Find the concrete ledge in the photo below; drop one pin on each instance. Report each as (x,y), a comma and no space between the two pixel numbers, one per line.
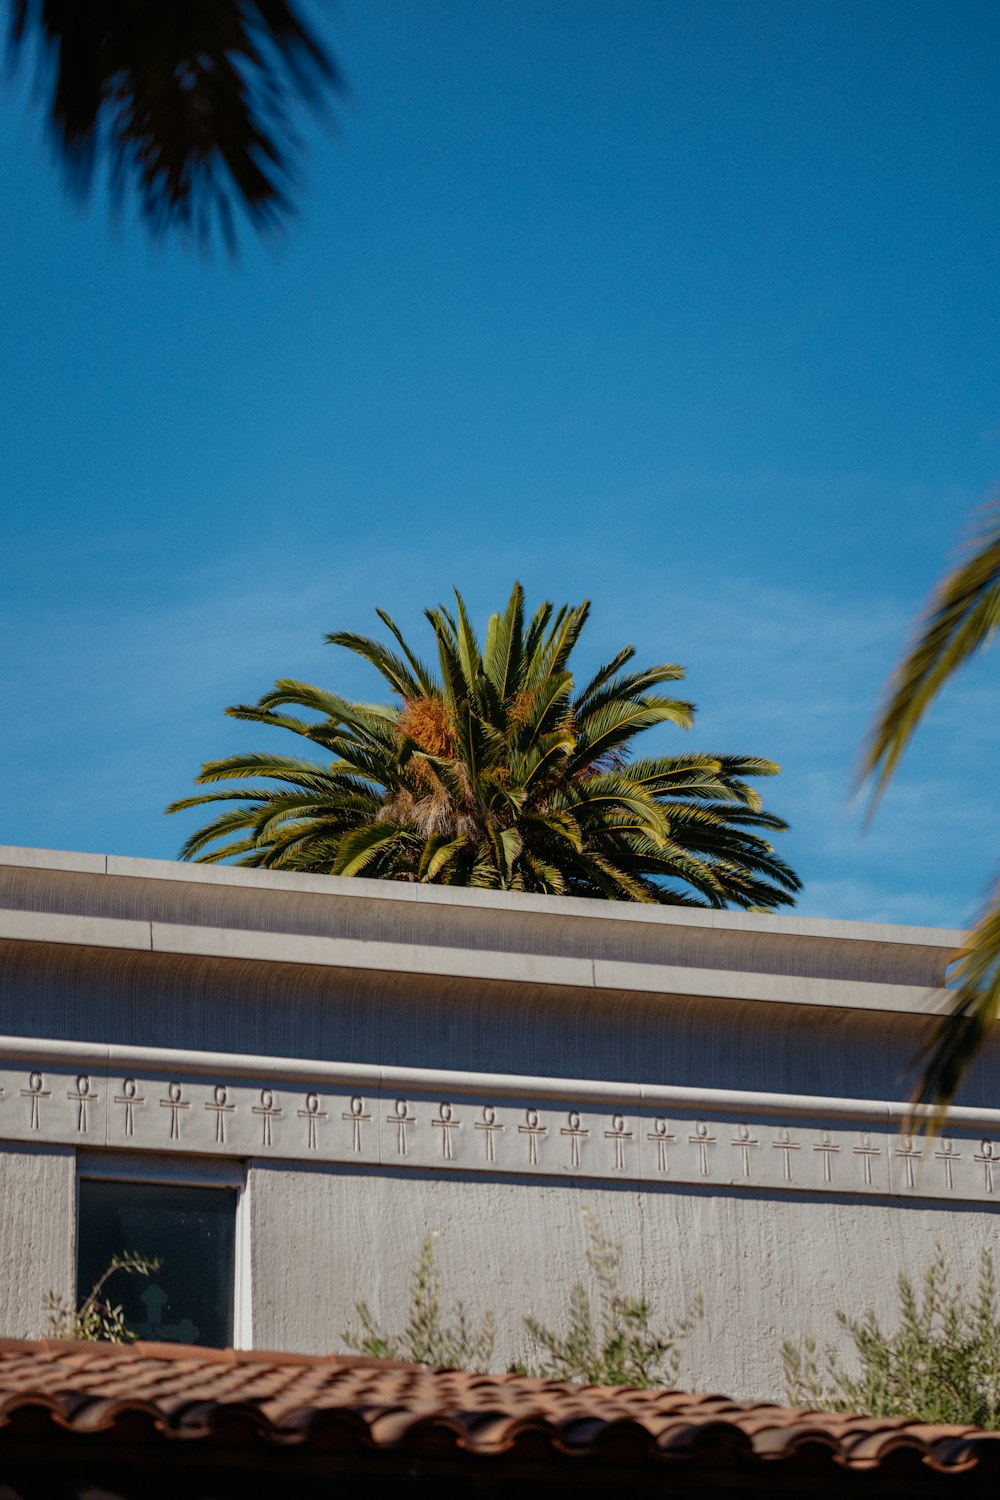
(424,960)
(180,910)
(111,1060)
(81,932)
(228,877)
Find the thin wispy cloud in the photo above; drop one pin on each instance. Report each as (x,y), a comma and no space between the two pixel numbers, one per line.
(139,690)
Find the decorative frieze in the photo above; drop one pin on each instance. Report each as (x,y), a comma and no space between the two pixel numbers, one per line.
(233,1114)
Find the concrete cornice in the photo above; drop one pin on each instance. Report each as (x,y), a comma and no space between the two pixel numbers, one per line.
(336,887)
(447,1083)
(438,1121)
(113,903)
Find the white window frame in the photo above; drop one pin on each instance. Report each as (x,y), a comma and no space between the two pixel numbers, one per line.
(190,1171)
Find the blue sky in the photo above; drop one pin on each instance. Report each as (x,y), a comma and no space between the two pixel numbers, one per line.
(685,306)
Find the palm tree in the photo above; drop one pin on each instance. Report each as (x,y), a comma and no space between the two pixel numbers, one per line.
(961,618)
(497,773)
(189,97)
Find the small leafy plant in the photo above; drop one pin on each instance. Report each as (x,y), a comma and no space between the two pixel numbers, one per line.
(624,1350)
(96,1320)
(621,1347)
(427,1340)
(942,1364)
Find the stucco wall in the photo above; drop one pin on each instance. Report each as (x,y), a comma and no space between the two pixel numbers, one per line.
(289,1011)
(310,998)
(37,1234)
(768,1268)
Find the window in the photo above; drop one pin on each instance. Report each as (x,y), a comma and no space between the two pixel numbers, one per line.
(191,1228)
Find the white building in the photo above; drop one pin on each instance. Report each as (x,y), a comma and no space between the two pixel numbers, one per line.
(281,1084)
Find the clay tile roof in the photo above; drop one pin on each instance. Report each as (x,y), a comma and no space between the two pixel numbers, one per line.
(285,1405)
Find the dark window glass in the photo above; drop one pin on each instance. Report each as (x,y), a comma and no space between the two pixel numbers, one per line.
(193,1232)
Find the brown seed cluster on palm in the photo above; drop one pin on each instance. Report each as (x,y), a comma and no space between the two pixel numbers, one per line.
(496,771)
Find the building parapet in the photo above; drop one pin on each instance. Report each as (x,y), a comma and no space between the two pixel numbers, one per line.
(273,918)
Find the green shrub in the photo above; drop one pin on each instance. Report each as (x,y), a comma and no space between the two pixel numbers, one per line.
(426,1340)
(621,1347)
(96,1320)
(942,1364)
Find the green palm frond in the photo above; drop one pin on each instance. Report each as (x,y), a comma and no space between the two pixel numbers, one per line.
(543,709)
(493,774)
(252,713)
(303,695)
(959,1036)
(438,852)
(608,670)
(397,672)
(423,676)
(549,659)
(504,636)
(543,878)
(547,757)
(469,653)
(288,768)
(537,626)
(449,660)
(617,722)
(189,105)
(631,685)
(560,826)
(359,847)
(962,617)
(747,765)
(240,819)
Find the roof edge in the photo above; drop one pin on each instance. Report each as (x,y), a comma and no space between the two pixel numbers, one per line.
(336,887)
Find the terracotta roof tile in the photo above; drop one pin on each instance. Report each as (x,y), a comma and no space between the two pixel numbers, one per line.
(294,1401)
